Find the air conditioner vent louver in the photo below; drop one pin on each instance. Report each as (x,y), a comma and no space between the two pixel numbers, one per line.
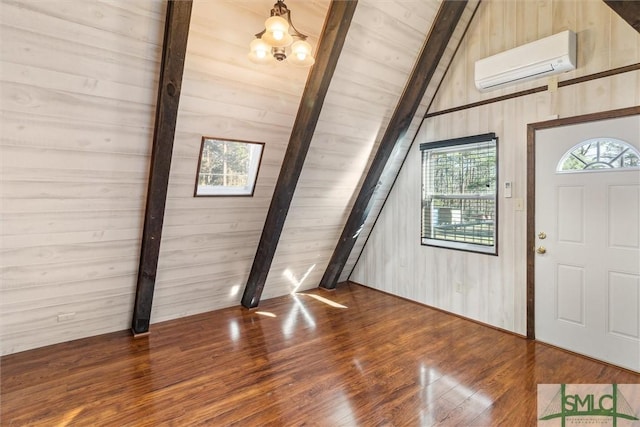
(544,57)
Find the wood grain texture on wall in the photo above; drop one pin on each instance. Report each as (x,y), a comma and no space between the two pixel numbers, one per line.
(603,41)
(395,162)
(78,82)
(383,43)
(209,243)
(493,289)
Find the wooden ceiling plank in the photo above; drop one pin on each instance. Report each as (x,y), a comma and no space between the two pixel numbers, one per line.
(174,50)
(329,48)
(441,31)
(629,10)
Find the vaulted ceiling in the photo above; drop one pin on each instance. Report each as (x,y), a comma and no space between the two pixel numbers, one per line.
(378,67)
(79,91)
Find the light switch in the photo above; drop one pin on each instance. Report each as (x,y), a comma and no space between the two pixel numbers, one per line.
(507,189)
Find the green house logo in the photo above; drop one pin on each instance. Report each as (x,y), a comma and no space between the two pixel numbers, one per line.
(589,404)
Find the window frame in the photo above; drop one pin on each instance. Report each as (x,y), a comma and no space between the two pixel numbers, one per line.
(229,190)
(452,244)
(587,169)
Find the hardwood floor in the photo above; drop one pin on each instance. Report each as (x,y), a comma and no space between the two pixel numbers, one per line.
(358,357)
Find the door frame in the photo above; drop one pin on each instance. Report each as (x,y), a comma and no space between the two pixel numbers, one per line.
(531,193)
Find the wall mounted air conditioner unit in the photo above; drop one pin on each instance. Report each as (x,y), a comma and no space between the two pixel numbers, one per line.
(550,55)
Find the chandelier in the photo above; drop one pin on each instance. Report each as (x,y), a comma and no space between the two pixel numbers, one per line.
(278,34)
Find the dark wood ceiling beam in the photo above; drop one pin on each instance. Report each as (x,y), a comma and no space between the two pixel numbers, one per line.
(441,31)
(629,10)
(174,50)
(333,36)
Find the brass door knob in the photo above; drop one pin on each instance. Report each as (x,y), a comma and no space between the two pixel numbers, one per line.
(541,250)
(542,235)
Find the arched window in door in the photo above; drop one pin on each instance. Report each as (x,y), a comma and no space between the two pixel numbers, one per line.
(599,154)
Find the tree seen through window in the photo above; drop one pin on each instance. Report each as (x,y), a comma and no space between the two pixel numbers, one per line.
(459,193)
(227,167)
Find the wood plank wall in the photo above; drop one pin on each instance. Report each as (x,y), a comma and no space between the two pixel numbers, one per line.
(395,163)
(209,243)
(83,76)
(494,288)
(78,82)
(381,48)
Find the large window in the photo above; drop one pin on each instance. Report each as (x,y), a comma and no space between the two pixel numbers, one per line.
(459,193)
(227,168)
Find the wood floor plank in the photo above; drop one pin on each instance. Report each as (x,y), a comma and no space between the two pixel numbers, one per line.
(378,361)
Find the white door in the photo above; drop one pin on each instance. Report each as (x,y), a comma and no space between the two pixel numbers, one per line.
(587,261)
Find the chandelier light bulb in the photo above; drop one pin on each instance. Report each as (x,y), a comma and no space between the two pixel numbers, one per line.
(277,32)
(260,52)
(301,49)
(276,24)
(301,54)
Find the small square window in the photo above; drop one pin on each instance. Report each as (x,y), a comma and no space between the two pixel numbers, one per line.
(459,193)
(227,168)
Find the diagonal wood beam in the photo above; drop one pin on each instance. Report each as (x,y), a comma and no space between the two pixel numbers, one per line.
(333,36)
(629,10)
(174,49)
(441,31)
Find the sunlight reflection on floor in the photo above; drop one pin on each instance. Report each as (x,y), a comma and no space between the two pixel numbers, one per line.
(294,281)
(290,324)
(266,313)
(325,300)
(69,417)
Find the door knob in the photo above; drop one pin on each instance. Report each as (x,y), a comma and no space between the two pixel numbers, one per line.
(542,235)
(541,250)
